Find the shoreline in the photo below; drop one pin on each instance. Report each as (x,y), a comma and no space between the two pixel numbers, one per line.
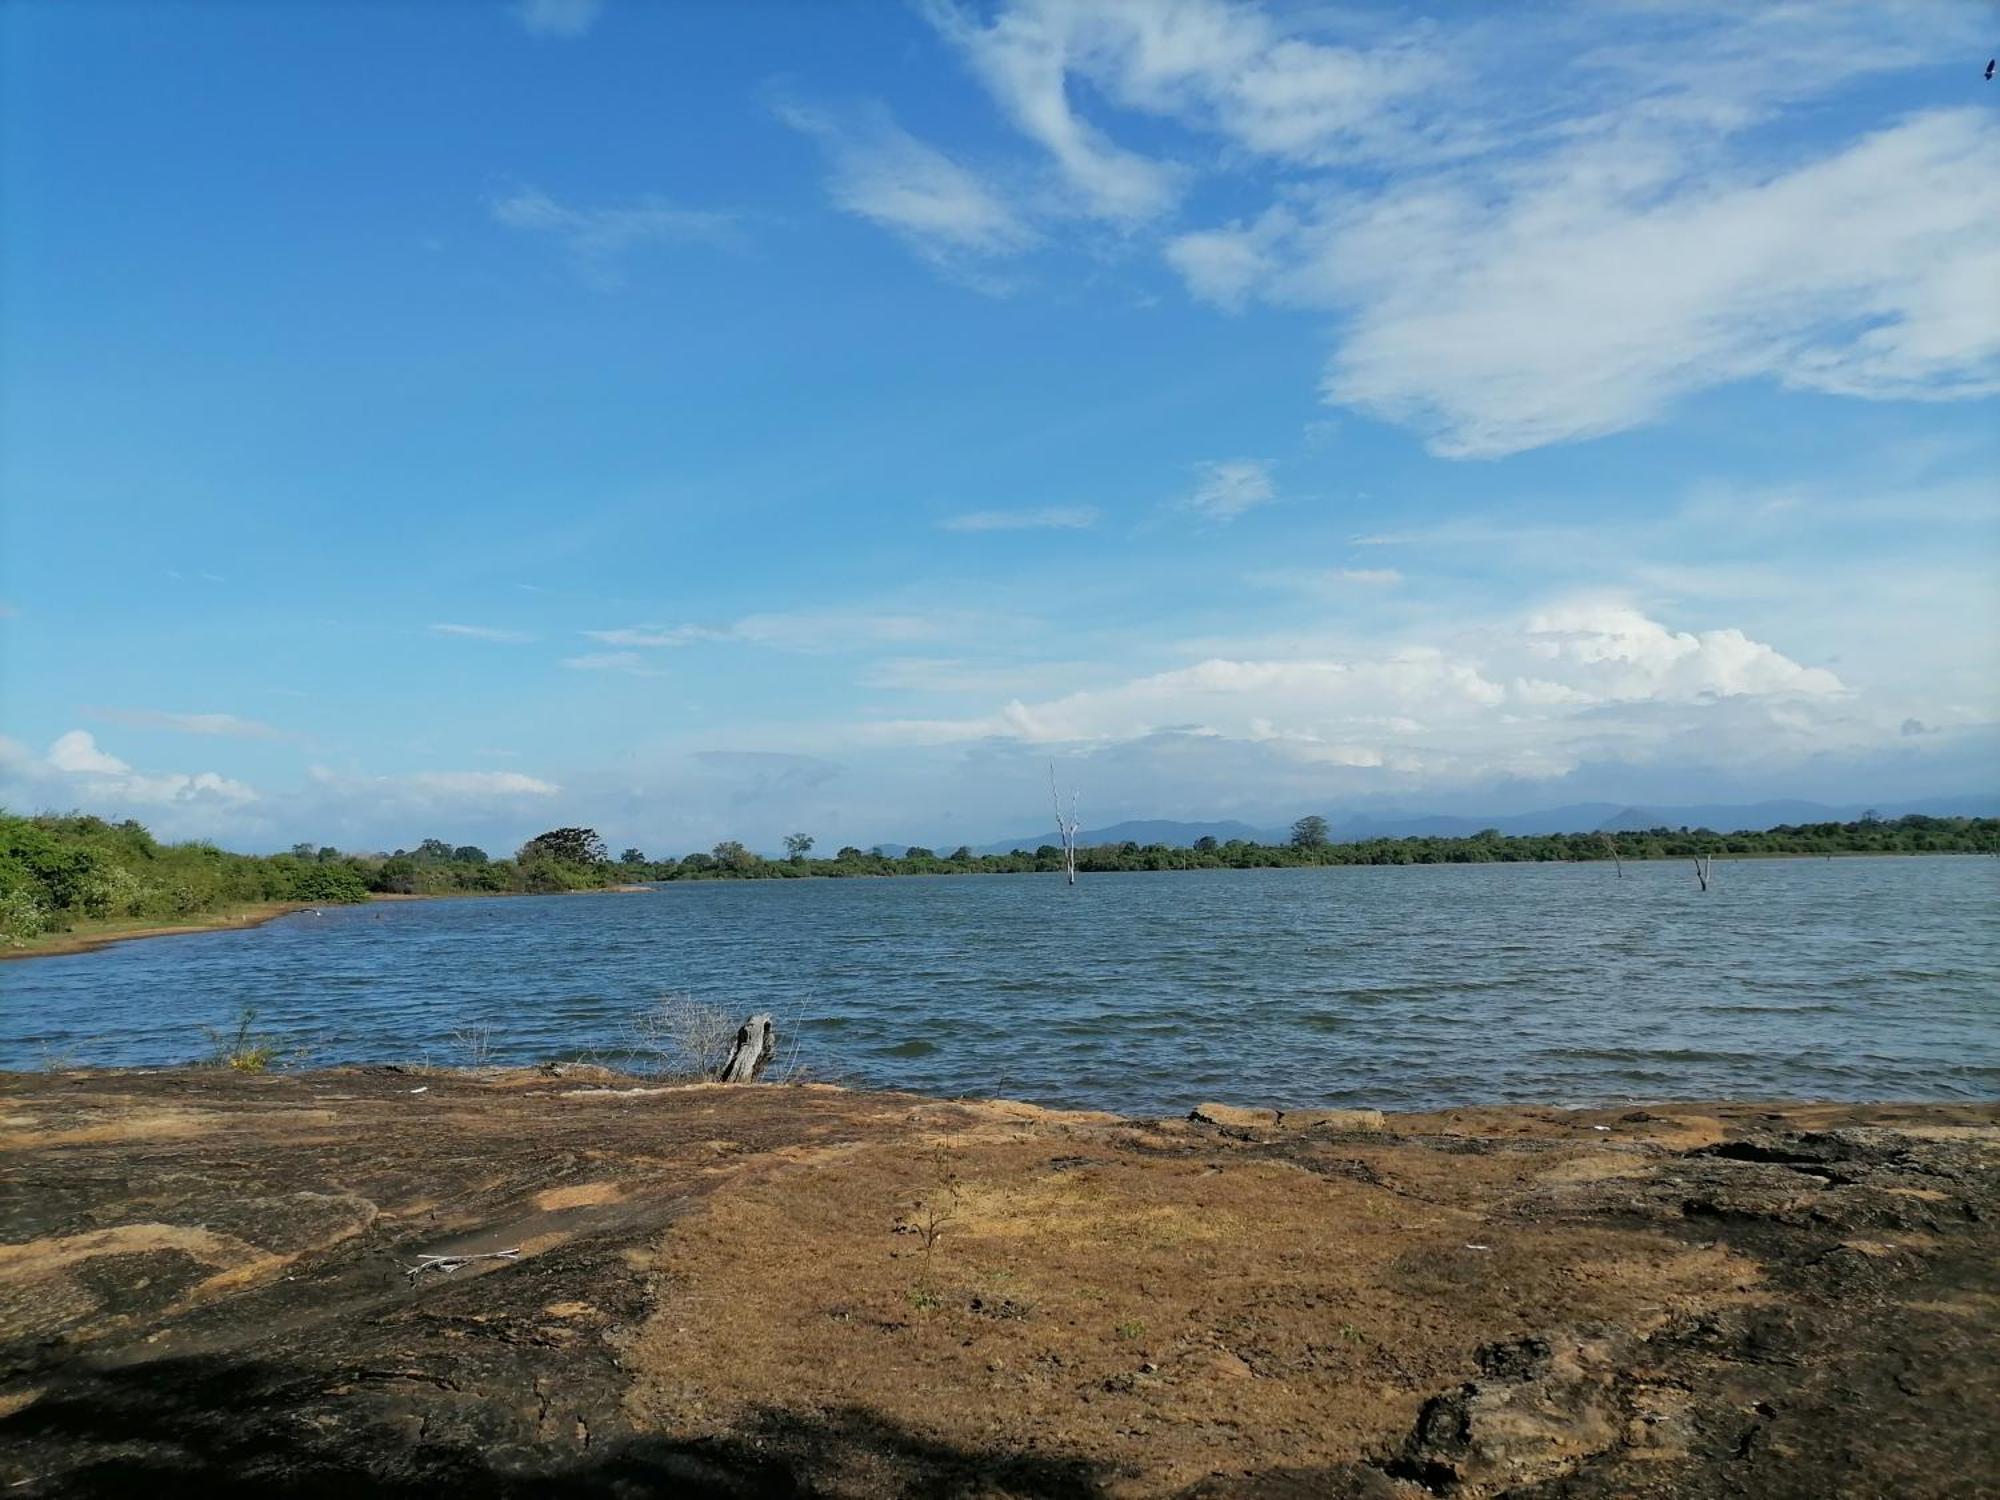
(982,1296)
(89,937)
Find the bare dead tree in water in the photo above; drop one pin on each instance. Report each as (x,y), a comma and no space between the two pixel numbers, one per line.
(1612,844)
(1704,866)
(1066,826)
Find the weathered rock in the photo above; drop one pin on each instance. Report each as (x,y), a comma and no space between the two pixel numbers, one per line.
(1330,1119)
(1235,1116)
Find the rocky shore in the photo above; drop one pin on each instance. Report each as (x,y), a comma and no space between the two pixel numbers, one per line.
(570,1283)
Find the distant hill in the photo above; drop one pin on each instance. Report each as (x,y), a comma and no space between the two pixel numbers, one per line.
(1144,831)
(1575,817)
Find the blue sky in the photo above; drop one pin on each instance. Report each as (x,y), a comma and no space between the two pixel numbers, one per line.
(709,421)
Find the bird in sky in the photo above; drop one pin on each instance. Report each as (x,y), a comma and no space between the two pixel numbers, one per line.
(1989,68)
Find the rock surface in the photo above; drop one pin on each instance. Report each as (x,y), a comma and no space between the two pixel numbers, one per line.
(212,1284)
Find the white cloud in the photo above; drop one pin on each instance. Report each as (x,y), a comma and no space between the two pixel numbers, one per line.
(77,751)
(815,631)
(479,783)
(631,663)
(77,767)
(1585,680)
(1537,235)
(483,633)
(1328,581)
(1227,489)
(228,726)
(943,674)
(1043,518)
(557,18)
(1024,59)
(941,209)
(656,635)
(597,239)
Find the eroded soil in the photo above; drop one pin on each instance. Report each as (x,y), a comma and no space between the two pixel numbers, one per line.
(209,1284)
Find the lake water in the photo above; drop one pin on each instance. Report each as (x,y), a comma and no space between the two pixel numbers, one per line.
(1401,987)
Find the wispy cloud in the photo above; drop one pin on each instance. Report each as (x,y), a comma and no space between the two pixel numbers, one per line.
(1536,235)
(819,631)
(483,633)
(1328,580)
(228,726)
(597,240)
(657,635)
(1024,58)
(1228,488)
(631,663)
(1043,518)
(445,785)
(943,210)
(557,18)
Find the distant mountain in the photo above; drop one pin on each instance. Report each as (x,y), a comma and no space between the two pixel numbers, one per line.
(1145,831)
(1575,817)
(1726,818)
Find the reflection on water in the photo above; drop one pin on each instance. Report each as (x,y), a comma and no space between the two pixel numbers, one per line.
(1396,986)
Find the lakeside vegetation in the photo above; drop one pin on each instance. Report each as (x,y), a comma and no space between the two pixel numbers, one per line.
(61,872)
(1310,844)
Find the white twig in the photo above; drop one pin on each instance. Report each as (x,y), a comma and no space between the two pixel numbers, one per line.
(449,1263)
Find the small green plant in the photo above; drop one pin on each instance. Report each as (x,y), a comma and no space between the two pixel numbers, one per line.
(242,1051)
(1132,1330)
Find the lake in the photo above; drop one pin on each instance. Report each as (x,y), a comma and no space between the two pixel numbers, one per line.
(1403,987)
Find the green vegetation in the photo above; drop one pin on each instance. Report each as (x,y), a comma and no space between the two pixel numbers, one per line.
(242,1051)
(1310,844)
(57,872)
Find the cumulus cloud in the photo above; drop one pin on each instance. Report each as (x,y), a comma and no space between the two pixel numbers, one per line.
(1041,518)
(566,19)
(77,769)
(1533,697)
(1227,489)
(598,239)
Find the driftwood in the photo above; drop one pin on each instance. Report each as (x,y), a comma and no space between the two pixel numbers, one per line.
(756,1040)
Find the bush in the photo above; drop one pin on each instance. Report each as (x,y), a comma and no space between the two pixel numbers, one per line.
(328,883)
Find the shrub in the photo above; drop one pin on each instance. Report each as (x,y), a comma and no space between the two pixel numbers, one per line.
(328,883)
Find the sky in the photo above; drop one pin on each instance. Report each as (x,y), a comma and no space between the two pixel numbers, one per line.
(713,421)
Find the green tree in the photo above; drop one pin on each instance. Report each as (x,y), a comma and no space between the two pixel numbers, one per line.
(1206,844)
(798,846)
(1310,832)
(468,854)
(633,857)
(731,855)
(570,846)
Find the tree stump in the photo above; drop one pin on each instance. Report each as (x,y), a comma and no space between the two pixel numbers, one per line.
(756,1040)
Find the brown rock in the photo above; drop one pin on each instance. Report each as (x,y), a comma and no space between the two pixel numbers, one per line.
(1331,1119)
(1234,1115)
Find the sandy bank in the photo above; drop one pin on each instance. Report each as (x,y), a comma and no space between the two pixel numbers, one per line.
(89,935)
(208,1284)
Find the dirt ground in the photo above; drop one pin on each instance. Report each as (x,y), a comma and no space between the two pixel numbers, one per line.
(210,1283)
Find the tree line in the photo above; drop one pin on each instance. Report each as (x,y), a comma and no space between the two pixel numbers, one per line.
(1311,843)
(58,870)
